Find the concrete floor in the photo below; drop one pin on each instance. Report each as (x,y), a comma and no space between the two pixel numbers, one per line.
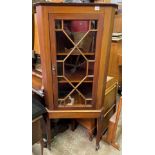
(77,143)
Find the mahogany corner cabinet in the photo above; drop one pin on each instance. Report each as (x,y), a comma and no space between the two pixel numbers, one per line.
(75,40)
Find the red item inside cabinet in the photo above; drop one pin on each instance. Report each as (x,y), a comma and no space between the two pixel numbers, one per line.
(79,26)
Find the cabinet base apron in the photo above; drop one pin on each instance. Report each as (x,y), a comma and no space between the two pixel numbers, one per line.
(55,114)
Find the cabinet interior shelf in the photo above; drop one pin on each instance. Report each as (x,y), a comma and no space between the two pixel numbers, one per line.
(76,53)
(76,77)
(61,30)
(76,105)
(87,80)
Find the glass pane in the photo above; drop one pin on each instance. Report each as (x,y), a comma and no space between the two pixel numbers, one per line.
(94,24)
(75,67)
(91,68)
(86,90)
(75,53)
(62,42)
(88,44)
(64,89)
(59,68)
(90,57)
(58,24)
(60,56)
(76,29)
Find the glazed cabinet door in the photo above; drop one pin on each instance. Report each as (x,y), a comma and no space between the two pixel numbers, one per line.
(74,41)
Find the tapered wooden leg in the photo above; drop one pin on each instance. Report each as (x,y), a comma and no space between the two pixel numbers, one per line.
(44,129)
(42,146)
(73,125)
(48,129)
(99,132)
(90,134)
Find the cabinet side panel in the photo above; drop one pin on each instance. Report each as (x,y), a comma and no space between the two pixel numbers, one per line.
(43,30)
(105,54)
